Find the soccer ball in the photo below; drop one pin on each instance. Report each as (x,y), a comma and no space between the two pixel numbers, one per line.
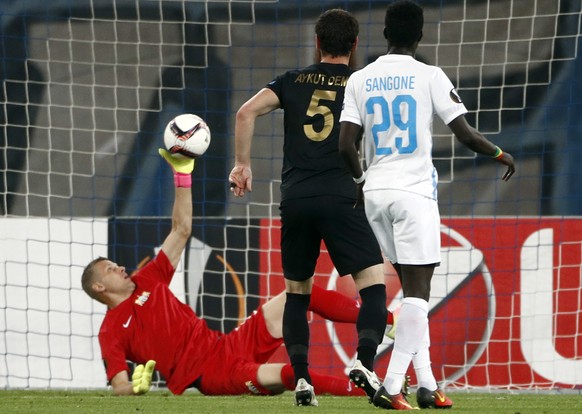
(187,135)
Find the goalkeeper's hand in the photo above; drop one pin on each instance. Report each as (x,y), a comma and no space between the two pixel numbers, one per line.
(142,377)
(178,164)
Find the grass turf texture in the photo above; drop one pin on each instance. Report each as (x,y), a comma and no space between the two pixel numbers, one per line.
(163,402)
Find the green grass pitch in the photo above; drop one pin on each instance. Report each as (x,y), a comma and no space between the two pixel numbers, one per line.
(158,402)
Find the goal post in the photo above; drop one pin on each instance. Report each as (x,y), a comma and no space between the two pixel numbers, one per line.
(87,87)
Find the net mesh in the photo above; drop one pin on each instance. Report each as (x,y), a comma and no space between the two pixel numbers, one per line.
(89,85)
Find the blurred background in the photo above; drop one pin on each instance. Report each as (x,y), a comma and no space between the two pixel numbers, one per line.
(88,86)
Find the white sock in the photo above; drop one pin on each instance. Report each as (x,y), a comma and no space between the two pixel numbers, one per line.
(422,366)
(412,325)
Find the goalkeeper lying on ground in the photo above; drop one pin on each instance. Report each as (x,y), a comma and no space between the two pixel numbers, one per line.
(147,324)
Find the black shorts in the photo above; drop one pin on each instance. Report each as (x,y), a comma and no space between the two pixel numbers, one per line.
(345,231)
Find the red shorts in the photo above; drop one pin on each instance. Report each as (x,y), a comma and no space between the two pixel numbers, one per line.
(233,367)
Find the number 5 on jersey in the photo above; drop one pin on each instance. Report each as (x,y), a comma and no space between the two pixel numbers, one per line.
(316,108)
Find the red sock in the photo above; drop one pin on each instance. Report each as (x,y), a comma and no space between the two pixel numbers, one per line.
(288,377)
(336,307)
(323,384)
(327,384)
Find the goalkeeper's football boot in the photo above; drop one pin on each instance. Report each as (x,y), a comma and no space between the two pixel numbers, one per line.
(364,379)
(304,394)
(432,399)
(391,402)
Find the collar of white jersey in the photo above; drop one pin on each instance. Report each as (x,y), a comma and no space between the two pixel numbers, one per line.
(395,58)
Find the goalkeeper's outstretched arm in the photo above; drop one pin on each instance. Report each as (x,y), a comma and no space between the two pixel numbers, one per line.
(175,242)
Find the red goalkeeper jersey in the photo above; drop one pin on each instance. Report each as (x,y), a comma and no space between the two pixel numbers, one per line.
(154,324)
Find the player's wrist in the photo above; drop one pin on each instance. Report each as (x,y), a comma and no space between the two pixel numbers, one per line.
(360,179)
(182,180)
(498,153)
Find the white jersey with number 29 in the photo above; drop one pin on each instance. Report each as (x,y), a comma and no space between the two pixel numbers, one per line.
(394,99)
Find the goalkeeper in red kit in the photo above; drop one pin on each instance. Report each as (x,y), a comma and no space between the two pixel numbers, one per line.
(147,324)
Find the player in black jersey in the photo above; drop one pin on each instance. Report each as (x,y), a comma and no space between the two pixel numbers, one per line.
(317,198)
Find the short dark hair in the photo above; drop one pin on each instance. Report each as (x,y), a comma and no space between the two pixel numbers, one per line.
(88,278)
(403,23)
(337,31)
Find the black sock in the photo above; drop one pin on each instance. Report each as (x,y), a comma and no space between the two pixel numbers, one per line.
(371,323)
(296,334)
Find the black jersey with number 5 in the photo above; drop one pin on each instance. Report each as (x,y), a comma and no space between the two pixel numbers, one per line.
(312,101)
